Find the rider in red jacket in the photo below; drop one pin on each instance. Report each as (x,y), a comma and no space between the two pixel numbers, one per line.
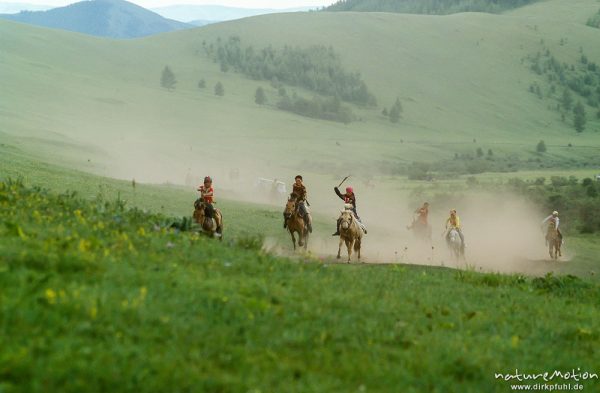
(349,198)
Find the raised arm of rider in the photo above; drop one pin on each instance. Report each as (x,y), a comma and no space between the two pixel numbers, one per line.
(339,194)
(546,219)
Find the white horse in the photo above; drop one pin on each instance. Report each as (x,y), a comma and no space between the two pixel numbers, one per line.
(455,243)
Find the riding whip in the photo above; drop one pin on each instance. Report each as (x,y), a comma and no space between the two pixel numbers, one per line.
(346,178)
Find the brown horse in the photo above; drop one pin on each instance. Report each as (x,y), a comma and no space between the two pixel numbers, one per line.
(351,233)
(211,226)
(295,224)
(554,242)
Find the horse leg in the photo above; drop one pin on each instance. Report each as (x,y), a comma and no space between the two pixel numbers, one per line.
(350,245)
(340,247)
(306,241)
(293,239)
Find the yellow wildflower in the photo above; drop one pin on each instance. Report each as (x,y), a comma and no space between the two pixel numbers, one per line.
(514,341)
(51,296)
(84,245)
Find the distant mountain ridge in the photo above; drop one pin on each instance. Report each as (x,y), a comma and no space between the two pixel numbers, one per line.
(216,13)
(103,18)
(438,7)
(13,8)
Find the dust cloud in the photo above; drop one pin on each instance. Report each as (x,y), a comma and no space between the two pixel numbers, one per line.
(502,231)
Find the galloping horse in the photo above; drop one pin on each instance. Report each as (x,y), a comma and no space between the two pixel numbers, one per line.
(455,243)
(554,242)
(296,224)
(211,226)
(351,233)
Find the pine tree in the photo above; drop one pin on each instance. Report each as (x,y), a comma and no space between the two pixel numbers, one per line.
(219,89)
(259,97)
(167,79)
(579,119)
(541,147)
(395,111)
(566,100)
(202,84)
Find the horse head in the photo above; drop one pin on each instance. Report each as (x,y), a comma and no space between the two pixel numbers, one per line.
(453,235)
(199,214)
(290,208)
(346,219)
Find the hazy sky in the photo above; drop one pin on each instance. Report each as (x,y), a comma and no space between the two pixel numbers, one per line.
(230,3)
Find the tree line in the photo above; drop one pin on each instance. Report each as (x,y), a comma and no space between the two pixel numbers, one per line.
(437,7)
(594,21)
(570,85)
(316,68)
(576,200)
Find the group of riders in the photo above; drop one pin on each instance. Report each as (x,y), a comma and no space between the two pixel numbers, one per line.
(299,195)
(421,225)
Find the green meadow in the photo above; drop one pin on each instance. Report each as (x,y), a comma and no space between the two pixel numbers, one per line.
(459,78)
(99,292)
(99,297)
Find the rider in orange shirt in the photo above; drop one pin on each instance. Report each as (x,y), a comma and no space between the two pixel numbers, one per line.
(207,193)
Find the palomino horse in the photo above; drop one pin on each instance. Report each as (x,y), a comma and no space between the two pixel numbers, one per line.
(296,224)
(554,242)
(351,233)
(454,243)
(211,226)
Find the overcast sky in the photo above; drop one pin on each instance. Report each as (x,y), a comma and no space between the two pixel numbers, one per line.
(229,3)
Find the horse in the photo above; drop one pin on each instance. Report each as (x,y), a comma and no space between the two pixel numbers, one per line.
(351,233)
(554,242)
(211,226)
(455,243)
(295,224)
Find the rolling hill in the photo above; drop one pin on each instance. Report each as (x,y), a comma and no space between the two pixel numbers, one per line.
(216,13)
(103,18)
(462,81)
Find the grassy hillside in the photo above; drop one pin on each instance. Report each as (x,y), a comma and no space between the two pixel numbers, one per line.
(98,293)
(103,18)
(459,78)
(99,297)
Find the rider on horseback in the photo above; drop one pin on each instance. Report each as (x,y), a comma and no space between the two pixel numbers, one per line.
(207,197)
(349,198)
(453,222)
(422,216)
(553,222)
(299,194)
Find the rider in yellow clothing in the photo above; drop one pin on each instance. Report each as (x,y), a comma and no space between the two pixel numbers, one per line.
(454,222)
